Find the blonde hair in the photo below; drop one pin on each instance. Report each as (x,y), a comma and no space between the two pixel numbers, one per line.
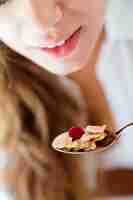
(34,108)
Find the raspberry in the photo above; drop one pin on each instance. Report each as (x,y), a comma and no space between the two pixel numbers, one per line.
(76,132)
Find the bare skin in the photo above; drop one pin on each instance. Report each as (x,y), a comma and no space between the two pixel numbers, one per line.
(97,104)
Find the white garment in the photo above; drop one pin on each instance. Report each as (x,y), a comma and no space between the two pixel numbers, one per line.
(115,71)
(5,194)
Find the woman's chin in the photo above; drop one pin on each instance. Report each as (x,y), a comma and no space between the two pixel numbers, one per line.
(65,69)
(63,66)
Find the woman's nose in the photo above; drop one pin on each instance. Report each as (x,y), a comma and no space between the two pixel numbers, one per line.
(45,13)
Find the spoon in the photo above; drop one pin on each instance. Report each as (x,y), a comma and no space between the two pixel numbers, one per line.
(102,145)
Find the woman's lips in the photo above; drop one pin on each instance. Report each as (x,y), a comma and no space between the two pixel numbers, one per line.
(66,48)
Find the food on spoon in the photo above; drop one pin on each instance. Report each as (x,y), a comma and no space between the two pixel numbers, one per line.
(84,139)
(76,132)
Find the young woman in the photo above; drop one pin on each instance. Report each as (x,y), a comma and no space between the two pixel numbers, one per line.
(48,55)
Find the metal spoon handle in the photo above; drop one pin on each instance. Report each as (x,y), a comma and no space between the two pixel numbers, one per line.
(121,129)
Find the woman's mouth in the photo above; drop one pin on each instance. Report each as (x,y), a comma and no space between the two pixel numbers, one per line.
(64,48)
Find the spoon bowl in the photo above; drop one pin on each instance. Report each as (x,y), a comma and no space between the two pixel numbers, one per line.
(102,145)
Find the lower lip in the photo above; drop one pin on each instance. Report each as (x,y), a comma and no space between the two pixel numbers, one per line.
(66,48)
